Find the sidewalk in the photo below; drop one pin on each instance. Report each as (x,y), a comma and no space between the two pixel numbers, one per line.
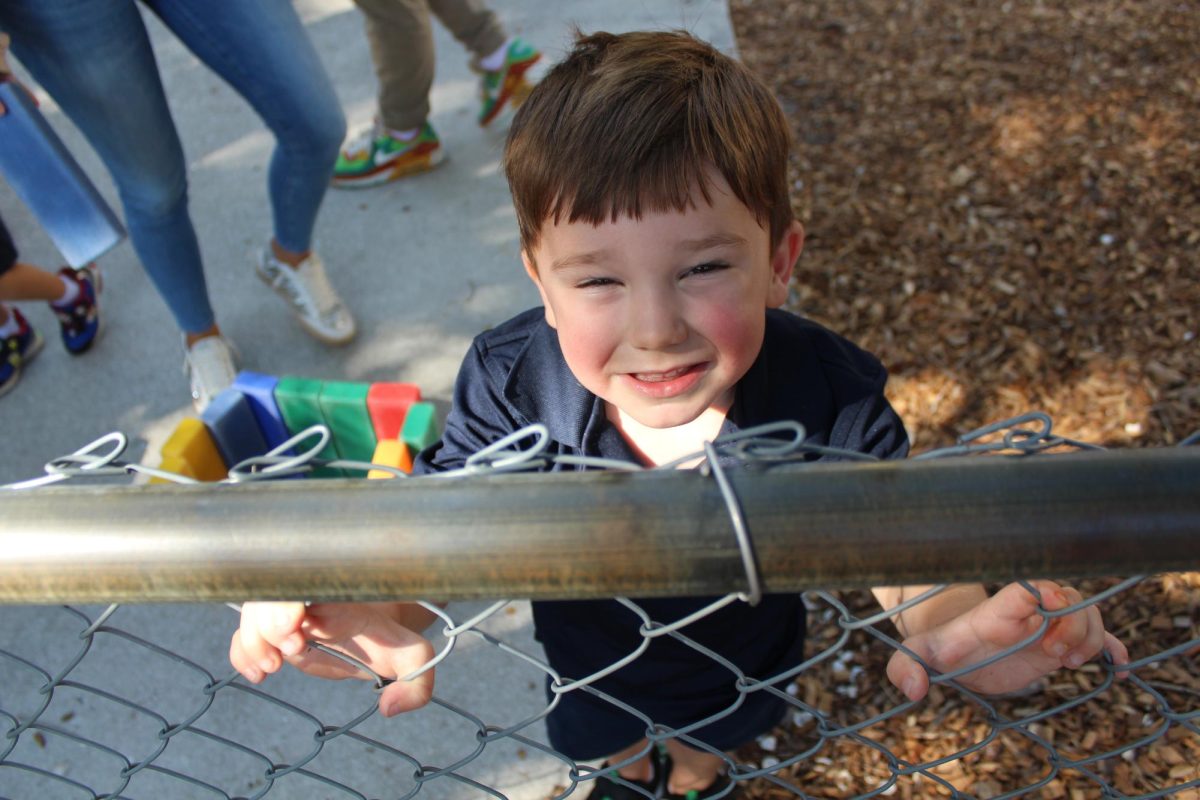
(425,264)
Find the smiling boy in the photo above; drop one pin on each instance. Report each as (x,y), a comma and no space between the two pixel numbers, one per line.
(648,172)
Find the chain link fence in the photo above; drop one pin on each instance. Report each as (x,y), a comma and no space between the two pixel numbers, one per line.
(123,701)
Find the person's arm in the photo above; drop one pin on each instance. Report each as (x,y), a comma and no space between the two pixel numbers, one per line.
(962,626)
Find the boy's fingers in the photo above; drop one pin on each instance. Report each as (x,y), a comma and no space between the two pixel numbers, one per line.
(1117,652)
(241,662)
(1075,637)
(907,675)
(270,631)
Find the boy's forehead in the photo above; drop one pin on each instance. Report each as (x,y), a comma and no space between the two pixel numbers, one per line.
(721,220)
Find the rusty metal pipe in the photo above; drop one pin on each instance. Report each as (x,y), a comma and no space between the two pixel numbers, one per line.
(604,534)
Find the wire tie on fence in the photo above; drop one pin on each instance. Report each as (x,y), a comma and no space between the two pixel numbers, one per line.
(276,463)
(496,456)
(60,469)
(738,519)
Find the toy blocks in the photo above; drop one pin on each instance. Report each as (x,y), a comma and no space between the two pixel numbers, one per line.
(372,423)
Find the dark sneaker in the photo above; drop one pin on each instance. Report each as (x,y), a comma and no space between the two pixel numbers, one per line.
(80,319)
(608,787)
(16,351)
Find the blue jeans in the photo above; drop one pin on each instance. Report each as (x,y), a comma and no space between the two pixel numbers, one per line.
(95,60)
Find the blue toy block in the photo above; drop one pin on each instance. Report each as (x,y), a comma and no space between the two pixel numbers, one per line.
(259,391)
(231,422)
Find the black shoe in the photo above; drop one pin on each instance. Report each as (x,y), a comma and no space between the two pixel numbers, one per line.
(609,786)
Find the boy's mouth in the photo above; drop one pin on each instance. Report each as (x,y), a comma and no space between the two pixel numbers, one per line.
(668,383)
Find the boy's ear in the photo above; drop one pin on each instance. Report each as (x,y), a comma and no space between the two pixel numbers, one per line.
(783,262)
(531,271)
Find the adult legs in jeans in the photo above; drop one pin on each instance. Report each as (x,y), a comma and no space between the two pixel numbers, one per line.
(262,50)
(94,58)
(401,39)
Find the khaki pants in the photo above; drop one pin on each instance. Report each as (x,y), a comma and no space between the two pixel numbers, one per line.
(401,41)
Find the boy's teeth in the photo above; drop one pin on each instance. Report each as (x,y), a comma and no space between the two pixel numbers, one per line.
(660,376)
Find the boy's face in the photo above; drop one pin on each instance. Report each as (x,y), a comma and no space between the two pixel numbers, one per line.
(662,316)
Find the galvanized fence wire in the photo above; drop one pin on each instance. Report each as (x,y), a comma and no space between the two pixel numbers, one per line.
(1173,718)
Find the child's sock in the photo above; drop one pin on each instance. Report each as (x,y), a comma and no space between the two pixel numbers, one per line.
(495,60)
(404,136)
(70,293)
(9,327)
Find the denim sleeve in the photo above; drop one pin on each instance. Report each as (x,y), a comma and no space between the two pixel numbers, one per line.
(479,416)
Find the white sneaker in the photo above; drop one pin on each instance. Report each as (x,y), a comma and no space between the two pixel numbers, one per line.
(307,290)
(210,365)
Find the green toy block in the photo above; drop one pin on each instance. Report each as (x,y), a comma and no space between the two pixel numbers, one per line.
(300,406)
(420,426)
(344,406)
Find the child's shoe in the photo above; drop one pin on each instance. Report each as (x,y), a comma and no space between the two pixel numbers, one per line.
(307,290)
(507,83)
(210,365)
(80,318)
(378,157)
(17,350)
(605,788)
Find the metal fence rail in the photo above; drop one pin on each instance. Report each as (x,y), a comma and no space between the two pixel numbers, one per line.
(193,728)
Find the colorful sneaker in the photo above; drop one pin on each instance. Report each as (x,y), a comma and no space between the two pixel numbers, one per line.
(80,319)
(210,366)
(307,290)
(378,157)
(16,351)
(497,87)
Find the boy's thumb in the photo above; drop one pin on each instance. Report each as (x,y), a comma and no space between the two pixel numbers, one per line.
(908,676)
(401,696)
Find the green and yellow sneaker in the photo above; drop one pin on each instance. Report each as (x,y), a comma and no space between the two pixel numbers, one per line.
(378,157)
(506,84)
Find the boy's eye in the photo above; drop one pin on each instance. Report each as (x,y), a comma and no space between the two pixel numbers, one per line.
(593,283)
(707,268)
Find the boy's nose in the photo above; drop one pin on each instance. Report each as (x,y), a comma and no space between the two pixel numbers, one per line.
(656,324)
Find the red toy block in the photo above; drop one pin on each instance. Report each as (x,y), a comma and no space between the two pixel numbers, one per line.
(388,403)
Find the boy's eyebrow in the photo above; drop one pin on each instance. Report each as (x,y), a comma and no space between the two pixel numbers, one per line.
(579,259)
(690,245)
(715,240)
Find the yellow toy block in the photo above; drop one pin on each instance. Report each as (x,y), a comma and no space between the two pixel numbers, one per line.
(191,451)
(390,453)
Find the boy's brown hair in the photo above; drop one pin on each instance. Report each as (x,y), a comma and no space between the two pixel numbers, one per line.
(628,124)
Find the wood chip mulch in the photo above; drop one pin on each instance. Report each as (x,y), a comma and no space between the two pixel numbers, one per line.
(1002,201)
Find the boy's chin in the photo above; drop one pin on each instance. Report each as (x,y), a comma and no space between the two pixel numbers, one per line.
(660,418)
